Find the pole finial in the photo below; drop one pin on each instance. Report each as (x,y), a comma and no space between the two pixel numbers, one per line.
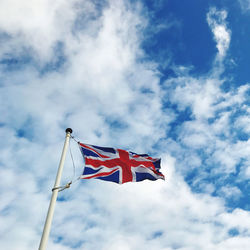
(69,130)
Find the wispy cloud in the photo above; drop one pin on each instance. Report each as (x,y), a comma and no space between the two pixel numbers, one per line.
(245,5)
(213,135)
(217,21)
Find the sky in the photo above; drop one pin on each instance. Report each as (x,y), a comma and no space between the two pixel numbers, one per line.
(167,78)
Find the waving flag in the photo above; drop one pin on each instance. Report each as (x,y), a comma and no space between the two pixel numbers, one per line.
(118,165)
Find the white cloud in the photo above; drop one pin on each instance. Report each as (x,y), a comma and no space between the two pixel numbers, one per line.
(110,96)
(35,25)
(222,35)
(242,123)
(231,192)
(244,4)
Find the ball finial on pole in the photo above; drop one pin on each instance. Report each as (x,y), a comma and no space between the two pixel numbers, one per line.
(69,130)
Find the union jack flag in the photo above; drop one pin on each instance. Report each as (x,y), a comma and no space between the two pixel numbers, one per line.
(118,165)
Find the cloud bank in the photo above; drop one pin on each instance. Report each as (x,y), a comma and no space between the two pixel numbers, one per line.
(80,64)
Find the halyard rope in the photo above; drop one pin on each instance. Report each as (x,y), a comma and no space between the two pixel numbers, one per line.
(61,188)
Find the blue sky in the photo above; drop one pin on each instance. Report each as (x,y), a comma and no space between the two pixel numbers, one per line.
(168,78)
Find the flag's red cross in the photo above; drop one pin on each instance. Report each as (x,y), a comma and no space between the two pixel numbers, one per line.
(124,161)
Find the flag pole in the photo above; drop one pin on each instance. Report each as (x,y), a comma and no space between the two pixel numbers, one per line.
(47,225)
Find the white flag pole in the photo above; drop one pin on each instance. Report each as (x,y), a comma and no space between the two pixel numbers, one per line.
(47,225)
